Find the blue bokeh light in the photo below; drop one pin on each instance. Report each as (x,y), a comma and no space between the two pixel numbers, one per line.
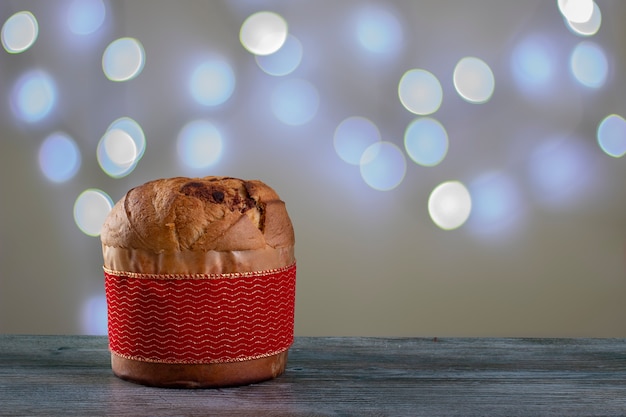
(200,144)
(284,61)
(123,59)
(34,96)
(94,316)
(212,83)
(86,16)
(612,135)
(559,170)
(589,64)
(420,92)
(426,141)
(59,157)
(353,136)
(295,102)
(378,30)
(533,64)
(383,166)
(497,204)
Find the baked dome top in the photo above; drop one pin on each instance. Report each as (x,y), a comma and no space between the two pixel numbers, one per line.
(199,214)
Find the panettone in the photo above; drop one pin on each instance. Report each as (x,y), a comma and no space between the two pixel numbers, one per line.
(200,282)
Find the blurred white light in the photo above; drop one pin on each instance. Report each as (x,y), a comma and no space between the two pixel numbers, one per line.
(449,205)
(34,96)
(59,157)
(295,102)
(577,11)
(559,170)
(199,144)
(353,136)
(94,316)
(123,59)
(116,153)
(473,80)
(378,30)
(91,209)
(497,204)
(284,61)
(612,135)
(85,16)
(263,33)
(533,64)
(589,64)
(212,82)
(383,166)
(132,128)
(19,32)
(420,92)
(121,147)
(589,27)
(426,141)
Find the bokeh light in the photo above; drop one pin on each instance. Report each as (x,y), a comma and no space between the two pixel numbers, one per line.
(19,32)
(59,157)
(284,61)
(449,205)
(117,153)
(94,316)
(353,136)
(559,170)
(212,82)
(533,64)
(473,80)
(426,141)
(383,166)
(378,30)
(420,92)
(295,102)
(577,11)
(590,27)
(121,147)
(199,144)
(589,64)
(135,131)
(612,135)
(85,16)
(123,59)
(91,209)
(263,33)
(498,205)
(34,96)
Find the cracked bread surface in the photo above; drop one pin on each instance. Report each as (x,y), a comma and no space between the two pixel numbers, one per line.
(198,225)
(199,214)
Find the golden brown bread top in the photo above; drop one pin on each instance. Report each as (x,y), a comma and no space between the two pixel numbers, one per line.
(199,214)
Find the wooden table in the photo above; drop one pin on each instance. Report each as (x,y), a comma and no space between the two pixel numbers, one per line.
(71,376)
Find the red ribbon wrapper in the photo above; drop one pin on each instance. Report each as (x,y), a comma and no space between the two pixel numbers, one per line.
(200,318)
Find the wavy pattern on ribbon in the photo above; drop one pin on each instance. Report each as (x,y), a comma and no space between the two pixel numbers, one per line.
(200,320)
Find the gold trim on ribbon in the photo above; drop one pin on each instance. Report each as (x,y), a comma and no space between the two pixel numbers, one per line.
(208,362)
(231,275)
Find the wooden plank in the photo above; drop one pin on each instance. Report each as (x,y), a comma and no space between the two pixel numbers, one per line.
(70,376)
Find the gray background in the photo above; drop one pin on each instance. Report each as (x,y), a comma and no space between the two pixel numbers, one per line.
(369,262)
